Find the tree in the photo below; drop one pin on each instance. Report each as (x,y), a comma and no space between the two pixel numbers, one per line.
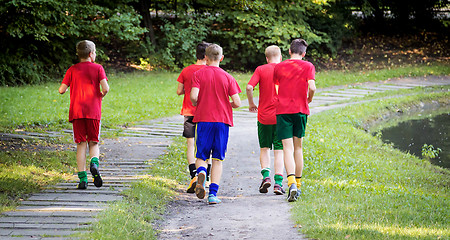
(38,37)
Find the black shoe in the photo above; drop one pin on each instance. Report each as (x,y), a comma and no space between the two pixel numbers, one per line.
(98,182)
(265,184)
(278,190)
(82,185)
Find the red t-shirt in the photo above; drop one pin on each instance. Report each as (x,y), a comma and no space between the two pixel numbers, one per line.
(292,75)
(85,97)
(215,88)
(186,79)
(267,93)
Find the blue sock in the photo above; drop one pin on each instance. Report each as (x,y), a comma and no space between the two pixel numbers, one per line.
(201,169)
(213,188)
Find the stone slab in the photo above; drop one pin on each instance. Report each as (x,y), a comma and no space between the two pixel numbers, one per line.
(50,214)
(40,219)
(79,197)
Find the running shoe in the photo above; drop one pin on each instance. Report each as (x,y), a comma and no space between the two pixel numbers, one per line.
(265,184)
(213,199)
(82,185)
(191,187)
(278,190)
(200,186)
(98,182)
(292,194)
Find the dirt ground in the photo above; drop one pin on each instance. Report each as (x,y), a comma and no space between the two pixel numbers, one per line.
(244,212)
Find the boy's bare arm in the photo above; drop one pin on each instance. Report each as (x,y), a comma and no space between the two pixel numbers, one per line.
(180,89)
(311,90)
(235,101)
(63,88)
(251,105)
(105,87)
(194,95)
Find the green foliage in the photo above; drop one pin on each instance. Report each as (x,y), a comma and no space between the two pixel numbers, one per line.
(38,37)
(245,28)
(428,151)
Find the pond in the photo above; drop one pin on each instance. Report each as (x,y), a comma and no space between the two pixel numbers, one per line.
(411,135)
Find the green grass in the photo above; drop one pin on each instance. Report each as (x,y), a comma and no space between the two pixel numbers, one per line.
(142,96)
(145,202)
(133,97)
(337,78)
(23,172)
(356,187)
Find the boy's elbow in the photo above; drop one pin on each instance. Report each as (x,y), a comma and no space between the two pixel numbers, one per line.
(249,88)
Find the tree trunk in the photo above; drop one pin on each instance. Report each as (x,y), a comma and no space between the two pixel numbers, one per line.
(144,10)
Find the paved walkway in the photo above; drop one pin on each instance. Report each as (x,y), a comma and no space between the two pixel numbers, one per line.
(61,210)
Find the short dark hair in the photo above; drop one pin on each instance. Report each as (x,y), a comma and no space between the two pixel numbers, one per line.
(201,50)
(298,46)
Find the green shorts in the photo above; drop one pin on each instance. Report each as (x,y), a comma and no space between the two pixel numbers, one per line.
(267,135)
(290,125)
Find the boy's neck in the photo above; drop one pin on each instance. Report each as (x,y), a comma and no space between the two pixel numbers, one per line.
(273,60)
(200,62)
(85,60)
(214,64)
(296,56)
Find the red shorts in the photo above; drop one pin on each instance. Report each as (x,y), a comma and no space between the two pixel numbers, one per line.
(86,130)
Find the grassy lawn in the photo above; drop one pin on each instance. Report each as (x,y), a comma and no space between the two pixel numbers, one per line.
(392,195)
(357,187)
(25,171)
(143,96)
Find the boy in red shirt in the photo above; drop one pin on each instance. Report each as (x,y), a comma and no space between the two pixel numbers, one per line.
(267,120)
(184,87)
(212,88)
(84,80)
(296,79)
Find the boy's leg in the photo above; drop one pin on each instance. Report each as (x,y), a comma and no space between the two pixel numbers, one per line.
(216,175)
(93,136)
(264,159)
(298,156)
(289,164)
(94,150)
(81,165)
(81,156)
(278,164)
(94,153)
(190,155)
(265,138)
(189,134)
(201,178)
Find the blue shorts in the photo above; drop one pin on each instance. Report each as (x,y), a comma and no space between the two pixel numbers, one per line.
(211,138)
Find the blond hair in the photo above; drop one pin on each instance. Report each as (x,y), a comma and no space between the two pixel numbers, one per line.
(272,52)
(84,48)
(214,52)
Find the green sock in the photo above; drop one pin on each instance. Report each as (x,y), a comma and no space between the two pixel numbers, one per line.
(94,160)
(265,172)
(278,179)
(82,176)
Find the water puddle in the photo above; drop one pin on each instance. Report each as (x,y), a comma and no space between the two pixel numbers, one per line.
(411,135)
